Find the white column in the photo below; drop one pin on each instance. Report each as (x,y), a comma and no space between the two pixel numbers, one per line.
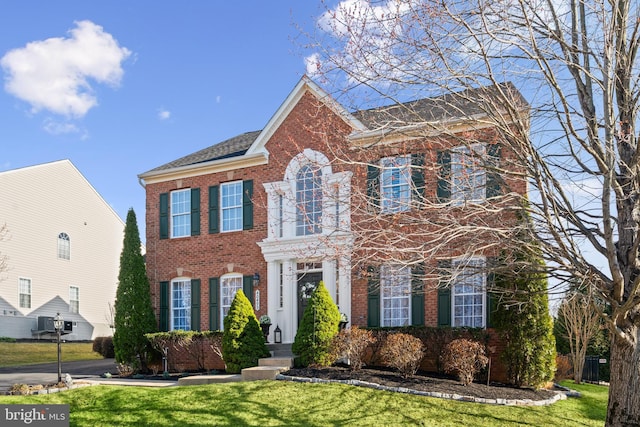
(290,309)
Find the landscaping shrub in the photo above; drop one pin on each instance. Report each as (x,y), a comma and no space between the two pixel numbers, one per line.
(564,369)
(7,339)
(134,315)
(97,345)
(104,347)
(352,343)
(464,358)
(192,343)
(316,330)
(242,340)
(403,352)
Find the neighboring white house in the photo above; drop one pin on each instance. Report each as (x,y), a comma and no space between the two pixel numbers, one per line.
(62,253)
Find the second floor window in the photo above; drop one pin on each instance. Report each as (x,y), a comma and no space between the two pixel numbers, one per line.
(64,246)
(24,292)
(395,184)
(308,200)
(181,213)
(468,174)
(231,206)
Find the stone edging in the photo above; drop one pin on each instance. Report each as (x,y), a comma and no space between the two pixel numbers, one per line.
(452,396)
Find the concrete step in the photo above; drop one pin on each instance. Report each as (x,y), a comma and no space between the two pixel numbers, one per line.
(276,361)
(280,350)
(209,379)
(262,372)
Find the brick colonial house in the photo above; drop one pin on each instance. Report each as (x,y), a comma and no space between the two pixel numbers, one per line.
(274,212)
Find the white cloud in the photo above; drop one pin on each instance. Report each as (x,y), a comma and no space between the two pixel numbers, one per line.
(218,99)
(54,127)
(54,74)
(312,64)
(164,114)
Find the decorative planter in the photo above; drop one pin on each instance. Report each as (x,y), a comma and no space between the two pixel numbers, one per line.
(265,330)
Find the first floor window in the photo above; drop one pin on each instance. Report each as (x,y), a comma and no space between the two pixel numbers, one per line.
(74,299)
(395,290)
(229,285)
(181,305)
(24,292)
(468,292)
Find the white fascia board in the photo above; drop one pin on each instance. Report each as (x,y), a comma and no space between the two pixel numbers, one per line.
(213,166)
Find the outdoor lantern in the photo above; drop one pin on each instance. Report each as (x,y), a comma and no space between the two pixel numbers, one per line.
(58,323)
(256,279)
(277,335)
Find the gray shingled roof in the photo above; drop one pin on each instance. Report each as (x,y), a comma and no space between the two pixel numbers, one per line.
(462,104)
(232,147)
(450,106)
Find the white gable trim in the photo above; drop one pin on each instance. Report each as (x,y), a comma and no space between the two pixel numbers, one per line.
(305,84)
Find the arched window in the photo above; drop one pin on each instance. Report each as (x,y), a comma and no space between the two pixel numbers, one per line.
(64,246)
(308,200)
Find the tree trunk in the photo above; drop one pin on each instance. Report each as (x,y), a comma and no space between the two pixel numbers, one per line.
(624,390)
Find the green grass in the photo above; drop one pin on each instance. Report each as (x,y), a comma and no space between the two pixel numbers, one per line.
(28,353)
(279,403)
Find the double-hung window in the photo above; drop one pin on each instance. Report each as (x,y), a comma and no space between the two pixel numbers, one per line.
(24,292)
(74,299)
(395,184)
(231,206)
(181,304)
(181,213)
(468,292)
(395,290)
(229,285)
(468,174)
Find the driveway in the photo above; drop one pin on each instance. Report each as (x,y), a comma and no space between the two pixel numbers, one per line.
(47,373)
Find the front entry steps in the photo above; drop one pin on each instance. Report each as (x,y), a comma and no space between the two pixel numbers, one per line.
(267,368)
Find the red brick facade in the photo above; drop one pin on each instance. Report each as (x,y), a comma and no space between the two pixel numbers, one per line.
(305,122)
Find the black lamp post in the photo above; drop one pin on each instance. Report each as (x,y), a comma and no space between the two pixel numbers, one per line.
(58,323)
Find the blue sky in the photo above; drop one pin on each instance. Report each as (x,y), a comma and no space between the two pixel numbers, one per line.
(121,87)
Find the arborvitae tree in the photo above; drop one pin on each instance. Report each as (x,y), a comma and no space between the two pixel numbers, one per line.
(133,311)
(523,319)
(316,331)
(242,340)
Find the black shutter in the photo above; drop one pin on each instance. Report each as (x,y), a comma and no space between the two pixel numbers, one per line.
(195,211)
(247,287)
(214,306)
(373,297)
(373,185)
(164,307)
(444,176)
(417,176)
(164,215)
(417,295)
(214,215)
(444,294)
(247,205)
(491,295)
(195,304)
(493,177)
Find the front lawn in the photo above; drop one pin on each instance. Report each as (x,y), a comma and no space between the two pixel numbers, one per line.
(28,353)
(278,403)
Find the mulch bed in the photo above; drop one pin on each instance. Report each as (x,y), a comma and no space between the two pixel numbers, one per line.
(422,382)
